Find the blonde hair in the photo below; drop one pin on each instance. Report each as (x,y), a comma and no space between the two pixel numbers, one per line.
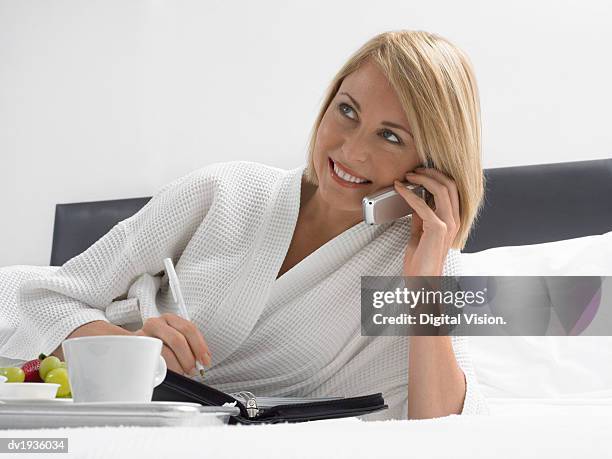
(436,86)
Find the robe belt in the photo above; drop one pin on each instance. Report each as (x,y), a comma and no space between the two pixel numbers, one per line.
(140,303)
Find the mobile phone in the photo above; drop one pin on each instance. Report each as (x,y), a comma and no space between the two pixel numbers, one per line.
(387,205)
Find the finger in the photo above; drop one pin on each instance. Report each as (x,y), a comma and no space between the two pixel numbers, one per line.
(444,208)
(453,191)
(175,341)
(171,361)
(416,228)
(418,204)
(193,335)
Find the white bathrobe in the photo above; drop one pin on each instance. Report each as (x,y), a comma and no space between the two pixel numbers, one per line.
(228,227)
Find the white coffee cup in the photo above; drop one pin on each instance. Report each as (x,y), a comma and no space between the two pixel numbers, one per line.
(116,368)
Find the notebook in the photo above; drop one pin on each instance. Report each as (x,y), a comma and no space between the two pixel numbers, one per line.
(261,409)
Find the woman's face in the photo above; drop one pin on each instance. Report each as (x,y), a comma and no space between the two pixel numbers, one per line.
(365,133)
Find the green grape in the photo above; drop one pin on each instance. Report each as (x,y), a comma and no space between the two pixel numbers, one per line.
(47,365)
(13,374)
(59,376)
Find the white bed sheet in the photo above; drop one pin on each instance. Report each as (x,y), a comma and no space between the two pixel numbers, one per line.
(501,436)
(573,407)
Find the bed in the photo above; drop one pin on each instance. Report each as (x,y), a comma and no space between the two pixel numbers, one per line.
(524,436)
(548,395)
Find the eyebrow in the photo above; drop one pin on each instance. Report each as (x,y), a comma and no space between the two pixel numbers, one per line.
(384,123)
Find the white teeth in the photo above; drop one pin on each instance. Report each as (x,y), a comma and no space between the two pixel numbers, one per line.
(349,178)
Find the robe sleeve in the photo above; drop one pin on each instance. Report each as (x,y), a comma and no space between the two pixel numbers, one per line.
(474,402)
(41,305)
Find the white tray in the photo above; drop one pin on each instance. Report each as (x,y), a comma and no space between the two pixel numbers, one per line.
(31,415)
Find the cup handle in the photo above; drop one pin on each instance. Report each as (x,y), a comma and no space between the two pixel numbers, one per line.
(160,373)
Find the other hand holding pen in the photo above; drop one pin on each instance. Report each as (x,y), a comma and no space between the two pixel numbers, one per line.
(183,342)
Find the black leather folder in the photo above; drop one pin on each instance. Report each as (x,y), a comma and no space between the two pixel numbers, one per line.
(266,410)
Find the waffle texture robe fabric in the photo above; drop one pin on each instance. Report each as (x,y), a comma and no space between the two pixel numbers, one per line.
(227,227)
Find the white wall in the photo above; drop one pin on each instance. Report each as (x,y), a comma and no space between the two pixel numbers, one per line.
(113,99)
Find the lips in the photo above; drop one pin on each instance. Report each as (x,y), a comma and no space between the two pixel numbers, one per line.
(348,171)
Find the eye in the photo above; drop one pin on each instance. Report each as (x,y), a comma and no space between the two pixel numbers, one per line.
(390,136)
(347,110)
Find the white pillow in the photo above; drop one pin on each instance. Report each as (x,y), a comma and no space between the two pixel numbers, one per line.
(544,366)
(583,256)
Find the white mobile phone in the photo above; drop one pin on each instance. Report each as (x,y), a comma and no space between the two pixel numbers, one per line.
(387,205)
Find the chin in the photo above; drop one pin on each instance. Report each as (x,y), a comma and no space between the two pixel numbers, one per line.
(338,199)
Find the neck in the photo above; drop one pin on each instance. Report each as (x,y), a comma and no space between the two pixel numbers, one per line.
(318,213)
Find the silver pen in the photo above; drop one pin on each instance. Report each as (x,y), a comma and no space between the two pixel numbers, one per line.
(177,294)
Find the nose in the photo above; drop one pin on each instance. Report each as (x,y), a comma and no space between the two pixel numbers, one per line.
(354,148)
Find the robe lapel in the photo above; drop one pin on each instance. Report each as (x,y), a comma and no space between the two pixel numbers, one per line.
(323,262)
(237,313)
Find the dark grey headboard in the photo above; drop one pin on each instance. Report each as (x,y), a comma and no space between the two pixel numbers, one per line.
(79,225)
(523,205)
(544,203)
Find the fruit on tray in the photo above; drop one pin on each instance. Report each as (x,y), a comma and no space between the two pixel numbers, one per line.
(59,376)
(48,364)
(31,369)
(13,374)
(48,369)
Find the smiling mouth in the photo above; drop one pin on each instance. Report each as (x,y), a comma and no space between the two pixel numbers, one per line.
(345,178)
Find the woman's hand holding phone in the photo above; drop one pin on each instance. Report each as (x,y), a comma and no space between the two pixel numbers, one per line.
(433,230)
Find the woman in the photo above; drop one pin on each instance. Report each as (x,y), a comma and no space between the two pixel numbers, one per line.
(270,260)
